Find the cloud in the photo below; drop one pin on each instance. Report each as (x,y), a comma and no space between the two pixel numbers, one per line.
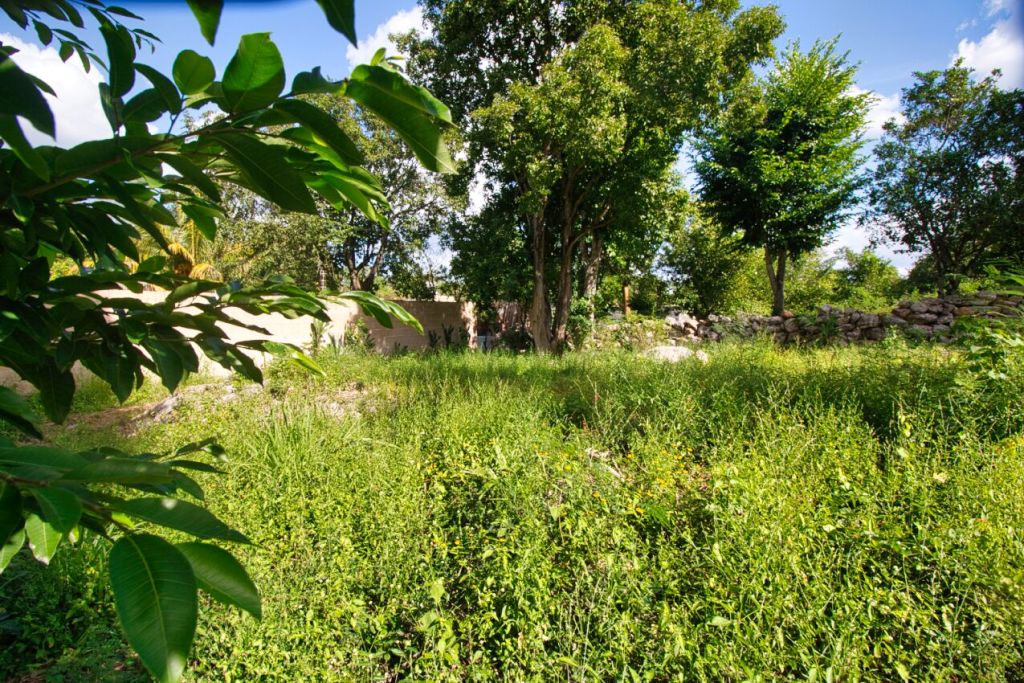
(1002,47)
(76,108)
(883,108)
(855,237)
(402,22)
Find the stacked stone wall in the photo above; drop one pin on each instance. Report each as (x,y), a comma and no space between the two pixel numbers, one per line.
(930,318)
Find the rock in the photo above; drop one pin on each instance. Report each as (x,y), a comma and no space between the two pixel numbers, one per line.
(788,314)
(869,320)
(918,307)
(674,354)
(824,311)
(923,318)
(164,410)
(791,325)
(962,311)
(945,319)
(874,333)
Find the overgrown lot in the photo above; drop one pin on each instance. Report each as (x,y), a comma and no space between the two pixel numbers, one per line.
(849,514)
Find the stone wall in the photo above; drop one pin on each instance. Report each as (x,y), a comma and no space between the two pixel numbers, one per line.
(931,318)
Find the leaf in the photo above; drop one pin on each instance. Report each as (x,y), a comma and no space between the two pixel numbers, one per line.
(181,515)
(222,576)
(10,131)
(121,63)
(10,511)
(21,96)
(265,166)
(9,549)
(43,539)
(191,173)
(255,75)
(207,14)
(122,471)
(204,218)
(61,508)
(47,456)
(341,16)
(307,82)
(44,33)
(409,110)
(323,127)
(169,364)
(382,310)
(192,72)
(156,597)
(163,85)
(15,410)
(720,622)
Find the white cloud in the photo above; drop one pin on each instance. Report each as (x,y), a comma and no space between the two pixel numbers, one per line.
(76,108)
(402,22)
(1002,48)
(883,108)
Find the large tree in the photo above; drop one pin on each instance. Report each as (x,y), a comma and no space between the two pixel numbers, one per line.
(575,110)
(948,181)
(779,168)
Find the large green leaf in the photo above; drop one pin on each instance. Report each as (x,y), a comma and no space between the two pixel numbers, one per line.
(181,515)
(410,110)
(21,96)
(60,507)
(47,456)
(192,72)
(156,597)
(10,511)
(14,137)
(207,13)
(121,58)
(43,539)
(323,127)
(341,16)
(9,549)
(222,576)
(163,85)
(17,411)
(192,174)
(255,75)
(122,471)
(269,172)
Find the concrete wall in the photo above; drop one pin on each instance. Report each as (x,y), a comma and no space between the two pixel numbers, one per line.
(433,315)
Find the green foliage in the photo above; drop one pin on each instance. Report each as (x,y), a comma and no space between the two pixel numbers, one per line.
(948,180)
(485,517)
(97,205)
(779,167)
(576,126)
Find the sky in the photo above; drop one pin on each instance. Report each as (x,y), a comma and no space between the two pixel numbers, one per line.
(888,39)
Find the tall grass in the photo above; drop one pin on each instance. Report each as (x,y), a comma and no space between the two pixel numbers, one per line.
(829,515)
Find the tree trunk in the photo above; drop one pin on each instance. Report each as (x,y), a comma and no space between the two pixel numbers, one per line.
(540,311)
(775,264)
(591,267)
(625,300)
(563,299)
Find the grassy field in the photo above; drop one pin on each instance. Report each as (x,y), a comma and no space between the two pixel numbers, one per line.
(850,514)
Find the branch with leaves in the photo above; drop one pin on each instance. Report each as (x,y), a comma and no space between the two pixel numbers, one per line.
(91,205)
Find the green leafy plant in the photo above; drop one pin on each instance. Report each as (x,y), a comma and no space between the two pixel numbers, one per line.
(91,205)
(994,346)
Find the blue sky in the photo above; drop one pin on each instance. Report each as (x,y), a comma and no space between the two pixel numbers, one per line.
(889,39)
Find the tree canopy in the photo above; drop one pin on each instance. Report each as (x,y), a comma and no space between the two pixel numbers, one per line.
(948,181)
(780,167)
(575,117)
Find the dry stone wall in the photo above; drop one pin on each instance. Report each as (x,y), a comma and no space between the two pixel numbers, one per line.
(930,318)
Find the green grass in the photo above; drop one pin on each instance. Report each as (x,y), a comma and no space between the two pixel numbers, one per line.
(850,514)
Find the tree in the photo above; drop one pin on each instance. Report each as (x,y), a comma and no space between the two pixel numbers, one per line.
(91,204)
(867,281)
(779,168)
(583,107)
(701,265)
(948,180)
